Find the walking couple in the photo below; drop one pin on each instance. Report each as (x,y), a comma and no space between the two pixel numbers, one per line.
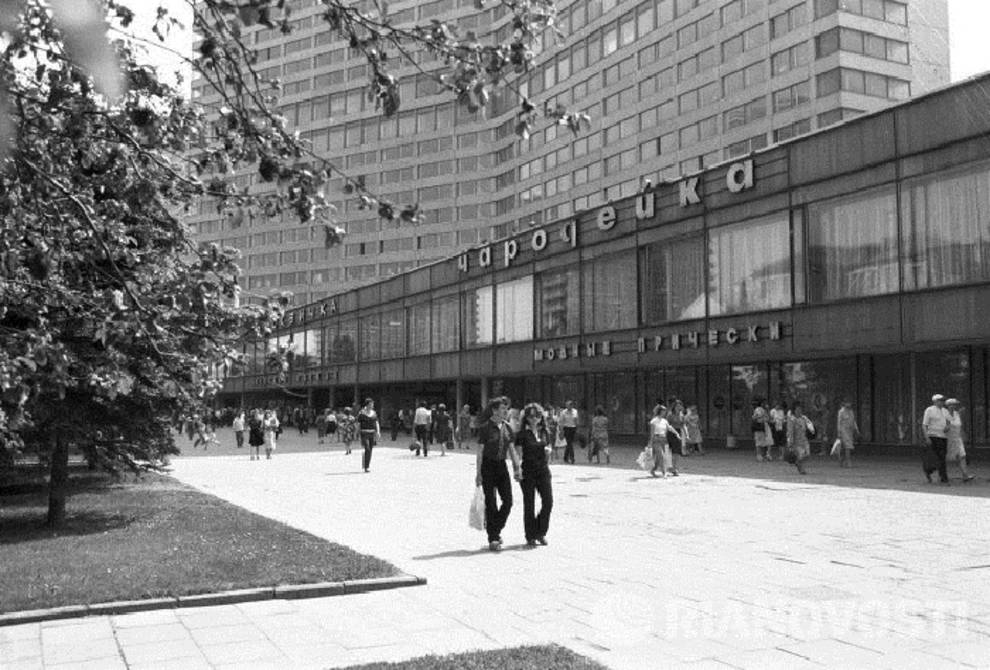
(530,469)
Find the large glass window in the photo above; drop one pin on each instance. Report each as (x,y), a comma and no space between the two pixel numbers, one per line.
(314,347)
(393,327)
(558,303)
(609,292)
(852,246)
(478,315)
(343,348)
(749,266)
(672,280)
(947,229)
(419,329)
(514,311)
(371,341)
(446,324)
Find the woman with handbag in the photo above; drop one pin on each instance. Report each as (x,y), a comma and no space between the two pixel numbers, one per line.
(662,458)
(846,431)
(762,437)
(955,451)
(799,431)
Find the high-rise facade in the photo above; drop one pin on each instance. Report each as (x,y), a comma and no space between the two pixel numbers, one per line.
(672,86)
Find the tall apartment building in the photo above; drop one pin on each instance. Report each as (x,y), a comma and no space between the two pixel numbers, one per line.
(672,86)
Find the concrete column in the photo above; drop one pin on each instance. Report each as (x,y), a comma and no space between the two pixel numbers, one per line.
(484,392)
(459,396)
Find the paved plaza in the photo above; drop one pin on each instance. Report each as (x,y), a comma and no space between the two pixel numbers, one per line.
(733,564)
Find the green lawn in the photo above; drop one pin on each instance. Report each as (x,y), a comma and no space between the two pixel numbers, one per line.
(549,657)
(150,537)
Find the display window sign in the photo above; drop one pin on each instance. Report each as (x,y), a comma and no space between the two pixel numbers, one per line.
(712,338)
(739,177)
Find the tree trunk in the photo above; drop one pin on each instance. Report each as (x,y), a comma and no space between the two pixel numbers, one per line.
(58,482)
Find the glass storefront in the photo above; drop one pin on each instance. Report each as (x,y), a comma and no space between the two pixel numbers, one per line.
(445,325)
(419,329)
(514,310)
(478,314)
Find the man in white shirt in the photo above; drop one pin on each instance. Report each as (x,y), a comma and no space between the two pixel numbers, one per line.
(568,422)
(935,424)
(422,420)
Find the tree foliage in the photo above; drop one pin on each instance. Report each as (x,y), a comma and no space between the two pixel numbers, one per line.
(112,319)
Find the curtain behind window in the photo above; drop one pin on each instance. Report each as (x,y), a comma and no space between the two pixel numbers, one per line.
(750,266)
(947,230)
(852,247)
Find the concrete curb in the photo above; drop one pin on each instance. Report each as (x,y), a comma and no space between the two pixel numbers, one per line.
(286,592)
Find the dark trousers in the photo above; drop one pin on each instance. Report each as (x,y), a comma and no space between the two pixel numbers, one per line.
(368,442)
(495,478)
(939,445)
(569,433)
(422,431)
(536,525)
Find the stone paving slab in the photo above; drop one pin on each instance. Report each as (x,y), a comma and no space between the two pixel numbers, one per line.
(732,565)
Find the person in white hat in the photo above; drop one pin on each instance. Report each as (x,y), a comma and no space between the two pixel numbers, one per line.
(955,451)
(935,423)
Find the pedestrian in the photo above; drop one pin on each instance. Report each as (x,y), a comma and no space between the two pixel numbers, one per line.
(371,431)
(692,426)
(272,428)
(256,433)
(846,431)
(599,436)
(659,430)
(955,451)
(556,434)
(464,427)
(567,420)
(442,429)
(348,429)
(675,432)
(494,444)
(533,441)
(238,426)
(321,426)
(762,435)
(421,426)
(800,430)
(778,428)
(432,426)
(395,423)
(331,424)
(935,423)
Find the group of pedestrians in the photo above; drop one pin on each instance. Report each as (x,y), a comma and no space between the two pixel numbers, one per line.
(433,425)
(789,431)
(528,448)
(262,428)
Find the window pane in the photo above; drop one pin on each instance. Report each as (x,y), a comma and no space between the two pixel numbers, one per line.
(514,311)
(947,230)
(559,304)
(478,314)
(446,325)
(419,329)
(609,292)
(852,247)
(750,266)
(673,281)
(394,334)
(370,338)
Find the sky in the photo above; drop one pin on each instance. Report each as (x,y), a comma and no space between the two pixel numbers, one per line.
(969,48)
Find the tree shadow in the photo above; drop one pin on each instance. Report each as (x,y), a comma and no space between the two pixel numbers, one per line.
(28,527)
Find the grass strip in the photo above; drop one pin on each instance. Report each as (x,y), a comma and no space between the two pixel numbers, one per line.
(542,657)
(150,537)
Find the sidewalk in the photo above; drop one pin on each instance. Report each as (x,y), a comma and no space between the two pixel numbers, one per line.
(734,564)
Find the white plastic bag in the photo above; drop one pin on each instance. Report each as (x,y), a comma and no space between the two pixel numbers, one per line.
(836,448)
(476,518)
(645,459)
